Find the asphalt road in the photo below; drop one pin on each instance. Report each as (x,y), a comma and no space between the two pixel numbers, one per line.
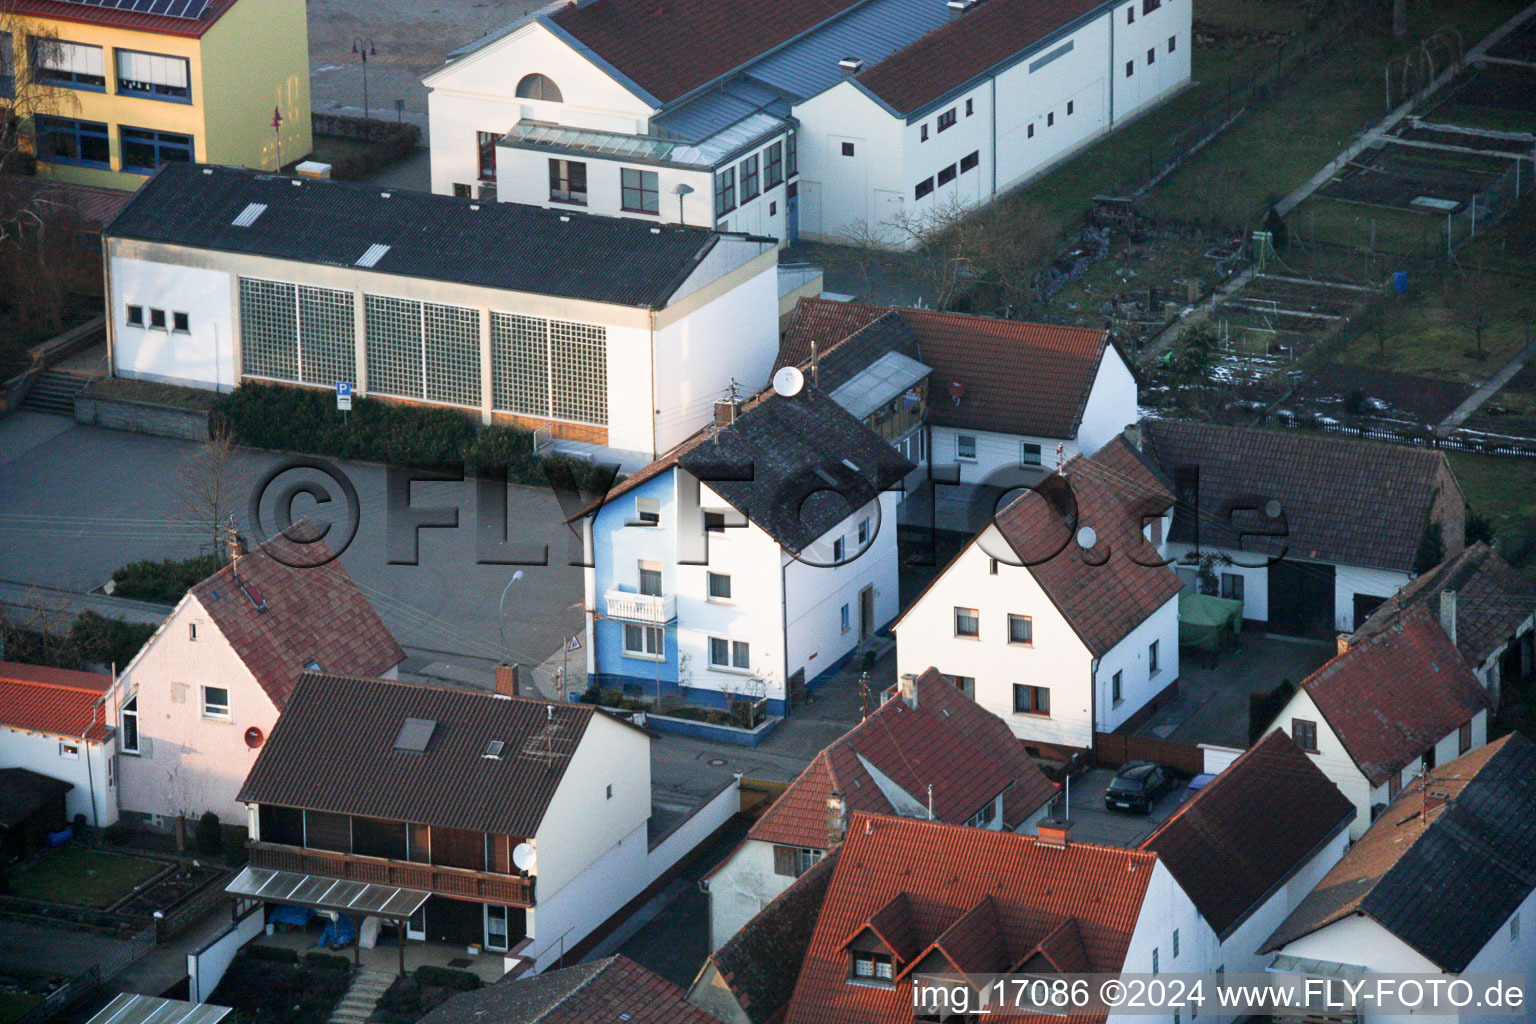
(78,502)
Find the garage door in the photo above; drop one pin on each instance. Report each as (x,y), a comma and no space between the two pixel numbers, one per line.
(1301,598)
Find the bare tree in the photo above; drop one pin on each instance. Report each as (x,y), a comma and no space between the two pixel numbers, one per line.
(208,486)
(185,792)
(959,246)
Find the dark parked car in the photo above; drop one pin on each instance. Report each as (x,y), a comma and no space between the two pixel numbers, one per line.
(1137,786)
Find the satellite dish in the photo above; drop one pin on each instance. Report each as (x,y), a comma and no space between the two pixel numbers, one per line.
(524,857)
(1087,537)
(789,381)
(254,737)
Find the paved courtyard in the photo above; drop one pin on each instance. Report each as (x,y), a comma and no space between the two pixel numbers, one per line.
(1093,823)
(1212,705)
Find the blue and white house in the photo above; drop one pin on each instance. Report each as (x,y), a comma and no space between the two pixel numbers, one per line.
(750,561)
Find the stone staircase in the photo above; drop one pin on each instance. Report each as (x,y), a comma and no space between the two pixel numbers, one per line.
(54,392)
(357,1006)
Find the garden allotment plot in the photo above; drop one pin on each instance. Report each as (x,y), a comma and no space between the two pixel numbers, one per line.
(1410,178)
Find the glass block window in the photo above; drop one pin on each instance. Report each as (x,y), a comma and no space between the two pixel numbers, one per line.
(394,345)
(327,338)
(269,330)
(453,354)
(520,364)
(579,372)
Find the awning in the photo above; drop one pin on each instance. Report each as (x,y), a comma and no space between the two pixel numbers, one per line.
(325,893)
(878,383)
(128,1008)
(1287,964)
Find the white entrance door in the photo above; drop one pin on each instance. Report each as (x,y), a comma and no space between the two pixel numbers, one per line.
(416,926)
(495,927)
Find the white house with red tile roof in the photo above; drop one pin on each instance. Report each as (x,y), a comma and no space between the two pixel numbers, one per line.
(1396,703)
(910,896)
(199,700)
(1061,632)
(57,723)
(1000,396)
(927,751)
(806,119)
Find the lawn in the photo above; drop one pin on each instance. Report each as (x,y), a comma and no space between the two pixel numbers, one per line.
(153,392)
(83,877)
(1497,486)
(16,1005)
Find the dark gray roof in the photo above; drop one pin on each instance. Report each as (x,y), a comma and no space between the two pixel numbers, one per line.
(616,260)
(1492,601)
(1345,501)
(796,467)
(334,749)
(860,350)
(599,992)
(1442,877)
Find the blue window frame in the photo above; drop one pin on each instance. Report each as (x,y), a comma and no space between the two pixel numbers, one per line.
(145,150)
(64,140)
(154,76)
(72,65)
(7,67)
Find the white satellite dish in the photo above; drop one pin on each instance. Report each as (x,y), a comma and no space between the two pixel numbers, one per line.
(789,381)
(524,857)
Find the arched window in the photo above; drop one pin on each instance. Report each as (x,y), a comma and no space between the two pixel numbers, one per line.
(538,87)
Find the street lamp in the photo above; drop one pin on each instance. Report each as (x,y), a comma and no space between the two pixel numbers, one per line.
(682,190)
(364,48)
(501,609)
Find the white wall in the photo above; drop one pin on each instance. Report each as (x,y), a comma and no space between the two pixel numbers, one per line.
(1111,405)
(996,452)
(206,966)
(1331,758)
(1165,907)
(815,593)
(1131,657)
(204,357)
(740,887)
(1057,658)
(607,882)
(188,763)
(1349,580)
(837,191)
(89,770)
(1239,953)
(477,93)
(1168,72)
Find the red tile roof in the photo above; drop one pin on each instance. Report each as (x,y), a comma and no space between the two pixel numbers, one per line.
(1018,378)
(947,58)
(1105,593)
(280,619)
(945,872)
(59,10)
(93,204)
(671,47)
(1250,829)
(1394,695)
(53,700)
(948,741)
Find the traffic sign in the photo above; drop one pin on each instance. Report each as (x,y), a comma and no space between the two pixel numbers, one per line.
(574,644)
(343,395)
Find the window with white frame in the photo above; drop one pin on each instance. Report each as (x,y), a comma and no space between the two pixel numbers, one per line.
(644,641)
(794,861)
(648,511)
(215,702)
(965,447)
(729,654)
(157,76)
(128,726)
(1029,453)
(68,750)
(839,549)
(984,817)
(871,966)
(967,622)
(719,586)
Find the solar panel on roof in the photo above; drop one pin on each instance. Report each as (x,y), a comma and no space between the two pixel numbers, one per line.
(191,10)
(415,734)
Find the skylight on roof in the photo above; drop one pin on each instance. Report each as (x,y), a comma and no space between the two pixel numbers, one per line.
(248,215)
(415,734)
(371,258)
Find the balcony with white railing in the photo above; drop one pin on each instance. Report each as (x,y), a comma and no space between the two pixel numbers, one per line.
(652,608)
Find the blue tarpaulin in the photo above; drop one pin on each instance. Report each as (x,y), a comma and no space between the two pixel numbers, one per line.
(285,914)
(338,933)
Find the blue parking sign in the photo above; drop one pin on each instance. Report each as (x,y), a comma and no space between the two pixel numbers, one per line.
(343,395)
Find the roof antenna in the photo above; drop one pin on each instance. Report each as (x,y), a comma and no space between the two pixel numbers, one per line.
(1061,455)
(235,547)
(930,801)
(815,365)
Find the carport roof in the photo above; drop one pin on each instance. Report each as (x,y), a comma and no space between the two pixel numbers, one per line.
(129,1008)
(326,893)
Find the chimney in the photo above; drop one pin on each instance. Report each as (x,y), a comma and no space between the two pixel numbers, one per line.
(851,65)
(726,412)
(907,686)
(837,819)
(506,681)
(1343,641)
(1448,613)
(1054,832)
(959,7)
(1433,801)
(1133,435)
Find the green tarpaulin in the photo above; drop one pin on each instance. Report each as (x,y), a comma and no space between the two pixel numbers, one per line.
(1208,623)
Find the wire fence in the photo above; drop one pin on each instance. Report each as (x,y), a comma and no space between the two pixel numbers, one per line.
(1409,434)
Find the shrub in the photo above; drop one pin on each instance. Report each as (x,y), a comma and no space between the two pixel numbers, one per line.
(273,954)
(235,852)
(326,961)
(447,977)
(116,833)
(106,641)
(165,581)
(210,836)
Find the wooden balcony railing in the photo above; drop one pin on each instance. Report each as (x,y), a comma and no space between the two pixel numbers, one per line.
(444,881)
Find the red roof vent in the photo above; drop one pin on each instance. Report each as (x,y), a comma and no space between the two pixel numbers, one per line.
(956,391)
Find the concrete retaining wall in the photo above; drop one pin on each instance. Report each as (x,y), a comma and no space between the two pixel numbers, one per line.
(141,417)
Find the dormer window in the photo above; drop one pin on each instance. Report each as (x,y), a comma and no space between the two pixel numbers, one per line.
(871,966)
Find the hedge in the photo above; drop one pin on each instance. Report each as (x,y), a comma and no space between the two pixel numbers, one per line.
(326,961)
(447,977)
(306,420)
(275,954)
(92,640)
(164,582)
